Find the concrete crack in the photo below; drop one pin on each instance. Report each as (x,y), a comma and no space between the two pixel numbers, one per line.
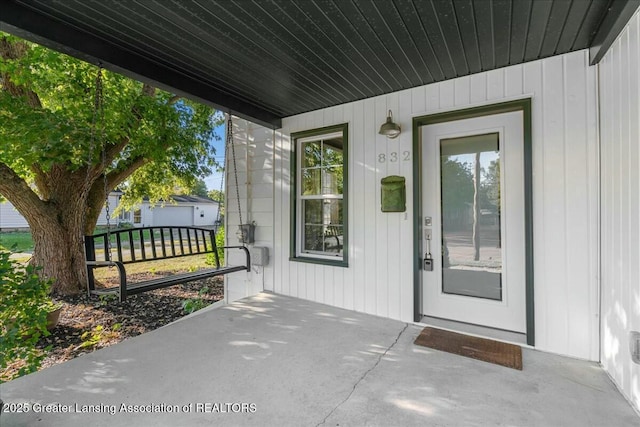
(375,365)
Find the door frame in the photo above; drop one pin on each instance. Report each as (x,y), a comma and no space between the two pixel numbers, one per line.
(523,105)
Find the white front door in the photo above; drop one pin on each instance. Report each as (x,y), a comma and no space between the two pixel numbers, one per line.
(474,221)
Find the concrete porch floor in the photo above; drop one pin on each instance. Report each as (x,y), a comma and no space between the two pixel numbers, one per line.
(270,360)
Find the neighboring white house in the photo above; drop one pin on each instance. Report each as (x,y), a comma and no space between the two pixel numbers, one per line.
(11,219)
(184,210)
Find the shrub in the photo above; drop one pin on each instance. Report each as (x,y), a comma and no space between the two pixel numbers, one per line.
(195,304)
(24,305)
(219,244)
(96,335)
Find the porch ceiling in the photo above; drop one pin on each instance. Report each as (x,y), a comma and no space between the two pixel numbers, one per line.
(265,60)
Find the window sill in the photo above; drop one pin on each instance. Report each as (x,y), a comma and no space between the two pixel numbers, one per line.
(320,261)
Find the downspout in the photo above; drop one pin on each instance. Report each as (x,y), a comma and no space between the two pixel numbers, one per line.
(249,287)
(248,171)
(599,214)
(273,201)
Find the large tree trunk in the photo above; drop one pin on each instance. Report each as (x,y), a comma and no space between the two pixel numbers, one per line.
(58,223)
(58,250)
(476,209)
(58,234)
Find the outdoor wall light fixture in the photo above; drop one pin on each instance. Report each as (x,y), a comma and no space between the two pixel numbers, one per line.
(389,128)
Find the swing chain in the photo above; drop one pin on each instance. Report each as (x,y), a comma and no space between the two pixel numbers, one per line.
(221,193)
(106,195)
(97,107)
(98,119)
(235,171)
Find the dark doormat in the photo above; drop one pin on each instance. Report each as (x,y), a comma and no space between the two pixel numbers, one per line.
(500,353)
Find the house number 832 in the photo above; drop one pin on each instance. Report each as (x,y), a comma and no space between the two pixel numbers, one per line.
(393,157)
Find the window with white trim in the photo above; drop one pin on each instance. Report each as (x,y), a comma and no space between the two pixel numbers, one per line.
(137,216)
(320,205)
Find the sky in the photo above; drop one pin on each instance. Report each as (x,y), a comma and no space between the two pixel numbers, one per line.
(485,158)
(213,181)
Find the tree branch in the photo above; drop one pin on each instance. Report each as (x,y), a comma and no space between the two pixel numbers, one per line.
(96,196)
(18,192)
(114,150)
(41,180)
(174,99)
(12,51)
(148,90)
(116,177)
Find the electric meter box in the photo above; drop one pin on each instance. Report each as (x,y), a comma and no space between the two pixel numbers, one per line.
(259,255)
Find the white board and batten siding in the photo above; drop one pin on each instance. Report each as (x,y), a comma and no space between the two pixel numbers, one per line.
(379,279)
(620,196)
(253,147)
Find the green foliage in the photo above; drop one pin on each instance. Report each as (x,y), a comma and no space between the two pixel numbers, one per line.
(216,195)
(106,299)
(491,184)
(210,260)
(196,188)
(199,188)
(24,305)
(458,190)
(98,334)
(322,168)
(194,304)
(171,134)
(91,338)
(220,242)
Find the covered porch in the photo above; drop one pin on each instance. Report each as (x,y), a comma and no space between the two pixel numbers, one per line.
(331,343)
(277,360)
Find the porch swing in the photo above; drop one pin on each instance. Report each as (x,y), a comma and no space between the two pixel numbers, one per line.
(148,244)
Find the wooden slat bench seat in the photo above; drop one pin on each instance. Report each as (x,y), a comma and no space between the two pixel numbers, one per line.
(147,244)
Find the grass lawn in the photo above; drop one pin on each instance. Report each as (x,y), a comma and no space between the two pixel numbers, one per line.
(24,243)
(21,239)
(173,265)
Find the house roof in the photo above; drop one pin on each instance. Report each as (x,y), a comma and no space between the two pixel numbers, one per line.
(268,59)
(188,199)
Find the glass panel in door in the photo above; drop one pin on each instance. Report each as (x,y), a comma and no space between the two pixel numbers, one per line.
(471,208)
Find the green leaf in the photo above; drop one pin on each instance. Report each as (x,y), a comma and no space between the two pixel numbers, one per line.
(173,138)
